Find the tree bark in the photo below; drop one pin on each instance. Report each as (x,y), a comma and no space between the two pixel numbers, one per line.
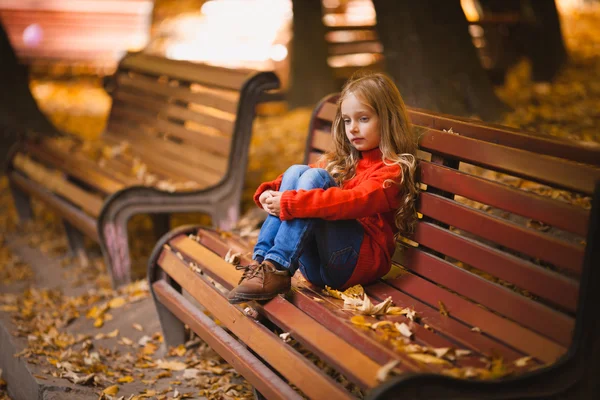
(544,46)
(311,77)
(429,53)
(17,105)
(540,34)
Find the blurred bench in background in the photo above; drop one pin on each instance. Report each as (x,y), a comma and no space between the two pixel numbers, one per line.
(62,35)
(176,140)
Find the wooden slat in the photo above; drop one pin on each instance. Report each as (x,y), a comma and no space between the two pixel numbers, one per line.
(147,134)
(204,137)
(313,157)
(544,169)
(448,327)
(325,342)
(552,212)
(321,140)
(78,218)
(234,352)
(535,142)
(502,300)
(211,76)
(210,166)
(351,36)
(540,281)
(223,122)
(527,241)
(54,182)
(225,101)
(339,49)
(84,170)
(327,111)
(472,314)
(126,162)
(304,299)
(296,369)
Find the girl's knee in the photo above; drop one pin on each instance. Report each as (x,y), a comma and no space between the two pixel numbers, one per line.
(296,170)
(315,178)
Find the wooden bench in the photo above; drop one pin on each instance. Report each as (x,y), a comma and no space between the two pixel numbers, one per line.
(480,280)
(177,140)
(96,33)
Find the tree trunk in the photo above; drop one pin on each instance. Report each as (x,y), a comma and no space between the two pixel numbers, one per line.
(544,45)
(17,105)
(540,35)
(311,77)
(429,53)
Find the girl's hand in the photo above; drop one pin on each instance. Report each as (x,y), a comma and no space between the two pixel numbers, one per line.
(263,199)
(274,204)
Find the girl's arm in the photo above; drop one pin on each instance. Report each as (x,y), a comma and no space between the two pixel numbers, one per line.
(273,185)
(263,187)
(366,199)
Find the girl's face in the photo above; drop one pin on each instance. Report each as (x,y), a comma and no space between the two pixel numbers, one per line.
(361,123)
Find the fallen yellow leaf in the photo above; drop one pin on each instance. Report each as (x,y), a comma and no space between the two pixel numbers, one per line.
(125,379)
(111,390)
(428,359)
(117,302)
(359,320)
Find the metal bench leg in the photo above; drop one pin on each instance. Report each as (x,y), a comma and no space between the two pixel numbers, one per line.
(22,204)
(116,252)
(76,243)
(174,332)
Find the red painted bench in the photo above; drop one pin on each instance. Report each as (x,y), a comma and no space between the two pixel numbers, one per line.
(501,270)
(176,140)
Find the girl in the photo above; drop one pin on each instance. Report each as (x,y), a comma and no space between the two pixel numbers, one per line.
(336,220)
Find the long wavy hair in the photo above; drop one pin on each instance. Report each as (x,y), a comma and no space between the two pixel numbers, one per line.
(397,144)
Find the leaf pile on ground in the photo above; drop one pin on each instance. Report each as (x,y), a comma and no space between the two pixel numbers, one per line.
(43,318)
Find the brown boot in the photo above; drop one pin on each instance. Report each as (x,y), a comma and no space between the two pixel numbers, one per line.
(260,282)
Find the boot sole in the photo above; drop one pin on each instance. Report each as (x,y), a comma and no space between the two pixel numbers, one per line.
(256,297)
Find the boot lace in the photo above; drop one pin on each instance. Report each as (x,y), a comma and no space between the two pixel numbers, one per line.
(252,270)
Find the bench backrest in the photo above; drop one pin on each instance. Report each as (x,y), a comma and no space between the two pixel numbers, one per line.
(502,229)
(186,115)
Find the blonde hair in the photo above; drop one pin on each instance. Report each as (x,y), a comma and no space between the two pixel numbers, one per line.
(397,144)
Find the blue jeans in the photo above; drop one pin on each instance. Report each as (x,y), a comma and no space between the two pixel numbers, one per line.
(325,251)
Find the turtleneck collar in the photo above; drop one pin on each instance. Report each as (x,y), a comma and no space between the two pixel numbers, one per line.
(371,156)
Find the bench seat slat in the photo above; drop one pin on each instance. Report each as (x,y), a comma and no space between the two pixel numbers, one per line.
(472,314)
(552,212)
(503,300)
(209,165)
(316,337)
(77,217)
(235,353)
(116,171)
(449,327)
(227,102)
(329,315)
(544,169)
(85,171)
(527,241)
(296,369)
(538,280)
(175,169)
(324,311)
(54,182)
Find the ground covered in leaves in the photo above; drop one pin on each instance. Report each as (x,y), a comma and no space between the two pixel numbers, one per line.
(568,107)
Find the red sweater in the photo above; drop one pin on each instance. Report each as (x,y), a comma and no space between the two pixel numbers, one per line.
(363,198)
